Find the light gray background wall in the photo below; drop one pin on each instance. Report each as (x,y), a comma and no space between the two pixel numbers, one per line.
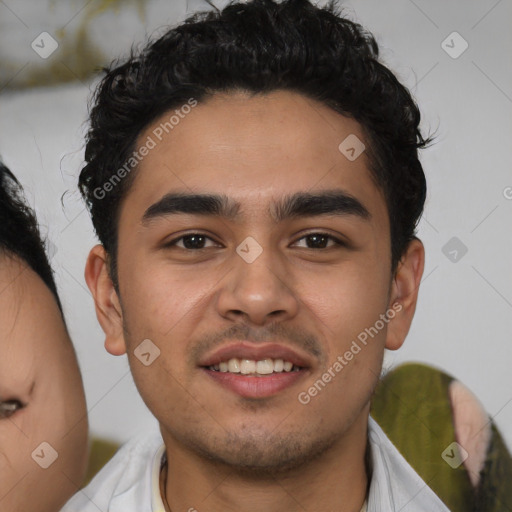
(464,318)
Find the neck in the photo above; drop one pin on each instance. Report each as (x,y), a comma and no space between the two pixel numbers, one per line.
(336,480)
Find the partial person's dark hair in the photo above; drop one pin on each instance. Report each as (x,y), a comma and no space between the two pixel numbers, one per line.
(258,47)
(19,230)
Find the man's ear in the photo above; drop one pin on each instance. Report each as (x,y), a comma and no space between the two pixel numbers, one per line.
(106,301)
(404,293)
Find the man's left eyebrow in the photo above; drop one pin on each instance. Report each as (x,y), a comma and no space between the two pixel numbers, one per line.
(300,204)
(329,202)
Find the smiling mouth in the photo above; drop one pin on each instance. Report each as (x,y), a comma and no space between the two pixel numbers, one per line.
(255,379)
(255,371)
(253,368)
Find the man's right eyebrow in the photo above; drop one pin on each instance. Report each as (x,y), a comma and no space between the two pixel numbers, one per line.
(197,204)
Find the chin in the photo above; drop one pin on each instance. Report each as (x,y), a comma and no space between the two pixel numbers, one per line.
(264,456)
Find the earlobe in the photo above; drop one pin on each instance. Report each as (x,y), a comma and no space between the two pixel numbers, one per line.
(404,293)
(106,301)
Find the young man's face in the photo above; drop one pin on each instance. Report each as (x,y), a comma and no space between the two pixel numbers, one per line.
(256,285)
(43,422)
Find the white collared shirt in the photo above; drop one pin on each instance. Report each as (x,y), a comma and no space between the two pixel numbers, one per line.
(130,480)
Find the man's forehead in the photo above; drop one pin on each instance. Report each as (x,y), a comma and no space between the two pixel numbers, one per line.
(252,121)
(286,177)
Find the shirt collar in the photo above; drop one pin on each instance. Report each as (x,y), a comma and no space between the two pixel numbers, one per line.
(157,505)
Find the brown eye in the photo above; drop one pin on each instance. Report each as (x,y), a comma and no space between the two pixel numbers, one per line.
(318,240)
(9,407)
(192,241)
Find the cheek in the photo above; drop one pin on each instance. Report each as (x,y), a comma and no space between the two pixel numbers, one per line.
(15,442)
(164,306)
(156,301)
(58,414)
(22,482)
(349,313)
(346,302)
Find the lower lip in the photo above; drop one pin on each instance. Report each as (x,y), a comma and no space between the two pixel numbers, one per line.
(255,387)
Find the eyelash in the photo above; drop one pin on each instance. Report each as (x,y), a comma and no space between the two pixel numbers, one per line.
(6,408)
(337,241)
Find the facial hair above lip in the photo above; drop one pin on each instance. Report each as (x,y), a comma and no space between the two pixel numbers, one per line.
(275,335)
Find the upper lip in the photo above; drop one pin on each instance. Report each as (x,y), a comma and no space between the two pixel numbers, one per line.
(248,350)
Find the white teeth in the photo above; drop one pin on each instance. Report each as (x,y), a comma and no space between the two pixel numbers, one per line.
(265,367)
(247,366)
(233,366)
(278,365)
(250,366)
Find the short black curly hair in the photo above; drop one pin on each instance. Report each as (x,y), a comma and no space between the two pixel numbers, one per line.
(258,46)
(19,231)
